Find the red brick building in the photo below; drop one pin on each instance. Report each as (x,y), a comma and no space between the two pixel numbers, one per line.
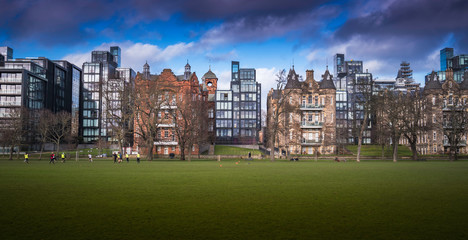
(160,120)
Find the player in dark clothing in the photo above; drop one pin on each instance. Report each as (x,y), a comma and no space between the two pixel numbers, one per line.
(115,157)
(52,158)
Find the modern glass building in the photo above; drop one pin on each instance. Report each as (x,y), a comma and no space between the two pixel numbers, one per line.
(458,63)
(35,84)
(238,110)
(350,81)
(101,77)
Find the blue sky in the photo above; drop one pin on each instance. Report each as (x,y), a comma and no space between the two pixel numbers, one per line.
(268,35)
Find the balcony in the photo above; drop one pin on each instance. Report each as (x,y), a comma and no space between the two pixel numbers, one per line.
(10,80)
(307,124)
(462,143)
(311,107)
(10,91)
(10,104)
(166,125)
(311,142)
(166,143)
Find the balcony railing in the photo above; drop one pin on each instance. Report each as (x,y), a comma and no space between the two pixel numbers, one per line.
(307,124)
(311,142)
(311,107)
(10,80)
(168,106)
(10,91)
(166,143)
(10,103)
(461,143)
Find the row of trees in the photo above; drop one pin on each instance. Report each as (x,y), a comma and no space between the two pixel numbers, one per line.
(393,115)
(29,127)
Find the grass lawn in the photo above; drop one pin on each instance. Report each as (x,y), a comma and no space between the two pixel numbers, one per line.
(249,200)
(376,150)
(229,150)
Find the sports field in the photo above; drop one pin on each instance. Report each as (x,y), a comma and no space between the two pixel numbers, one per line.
(249,200)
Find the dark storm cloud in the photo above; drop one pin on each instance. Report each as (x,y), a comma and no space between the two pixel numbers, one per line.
(410,27)
(64,22)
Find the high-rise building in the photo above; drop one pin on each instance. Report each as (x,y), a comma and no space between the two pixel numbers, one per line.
(351,82)
(448,60)
(39,83)
(101,77)
(238,110)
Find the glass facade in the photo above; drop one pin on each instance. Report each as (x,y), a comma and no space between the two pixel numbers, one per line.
(238,111)
(103,80)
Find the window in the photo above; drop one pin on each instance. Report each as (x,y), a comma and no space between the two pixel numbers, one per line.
(433,100)
(434,136)
(166,134)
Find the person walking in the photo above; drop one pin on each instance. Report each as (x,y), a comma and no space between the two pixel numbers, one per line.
(115,157)
(63,157)
(126,156)
(26,158)
(52,158)
(90,157)
(138,157)
(250,155)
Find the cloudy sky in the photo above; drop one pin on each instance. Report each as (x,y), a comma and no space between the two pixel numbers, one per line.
(268,35)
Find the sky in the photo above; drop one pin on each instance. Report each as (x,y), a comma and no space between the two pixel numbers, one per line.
(268,35)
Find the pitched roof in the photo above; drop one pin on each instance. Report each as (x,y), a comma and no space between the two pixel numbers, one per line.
(433,82)
(209,74)
(293,80)
(327,82)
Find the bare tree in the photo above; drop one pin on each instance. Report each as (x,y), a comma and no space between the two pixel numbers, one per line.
(415,121)
(43,127)
(455,122)
(60,128)
(363,97)
(185,118)
(381,131)
(12,129)
(119,111)
(149,104)
(278,120)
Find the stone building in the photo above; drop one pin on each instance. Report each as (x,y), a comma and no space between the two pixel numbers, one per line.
(443,99)
(310,126)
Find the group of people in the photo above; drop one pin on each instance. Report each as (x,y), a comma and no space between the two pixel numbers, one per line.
(90,157)
(53,158)
(118,157)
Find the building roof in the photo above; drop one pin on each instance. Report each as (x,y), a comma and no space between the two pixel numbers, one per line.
(209,74)
(433,82)
(293,80)
(327,81)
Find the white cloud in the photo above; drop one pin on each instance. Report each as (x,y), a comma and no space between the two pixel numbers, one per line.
(134,55)
(267,77)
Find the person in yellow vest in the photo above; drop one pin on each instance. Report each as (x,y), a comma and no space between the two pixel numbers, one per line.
(126,156)
(63,157)
(26,158)
(138,157)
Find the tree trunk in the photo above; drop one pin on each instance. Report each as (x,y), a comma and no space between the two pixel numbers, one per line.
(190,155)
(316,154)
(42,150)
(414,151)
(58,147)
(11,153)
(182,153)
(395,150)
(361,132)
(383,151)
(150,152)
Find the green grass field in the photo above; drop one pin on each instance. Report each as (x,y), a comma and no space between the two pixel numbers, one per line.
(376,150)
(249,200)
(229,150)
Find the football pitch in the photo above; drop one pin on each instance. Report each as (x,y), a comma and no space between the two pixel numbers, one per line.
(248,200)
